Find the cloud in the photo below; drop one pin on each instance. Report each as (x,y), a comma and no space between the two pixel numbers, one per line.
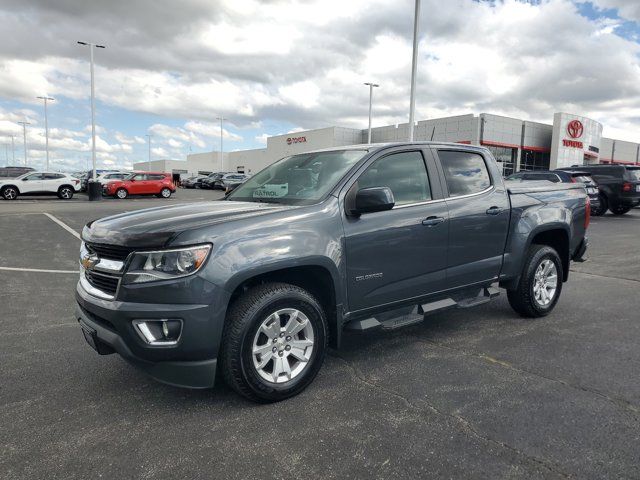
(629,9)
(303,63)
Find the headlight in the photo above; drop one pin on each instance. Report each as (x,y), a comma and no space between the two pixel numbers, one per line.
(166,264)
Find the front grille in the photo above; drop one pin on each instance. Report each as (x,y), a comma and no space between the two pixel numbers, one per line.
(111,252)
(102,281)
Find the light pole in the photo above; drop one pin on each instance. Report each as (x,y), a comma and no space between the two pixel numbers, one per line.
(222,119)
(148,135)
(46,126)
(13,149)
(24,137)
(371,85)
(414,68)
(93,107)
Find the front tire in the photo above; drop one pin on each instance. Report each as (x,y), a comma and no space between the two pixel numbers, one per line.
(274,342)
(122,193)
(9,193)
(540,285)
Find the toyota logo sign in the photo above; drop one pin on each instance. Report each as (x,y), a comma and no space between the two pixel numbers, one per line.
(575,129)
(292,140)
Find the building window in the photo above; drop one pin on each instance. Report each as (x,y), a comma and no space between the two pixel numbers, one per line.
(535,160)
(506,158)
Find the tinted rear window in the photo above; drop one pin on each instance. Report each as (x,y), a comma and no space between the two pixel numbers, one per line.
(633,174)
(466,172)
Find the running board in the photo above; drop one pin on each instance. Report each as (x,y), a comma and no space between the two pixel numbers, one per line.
(403,317)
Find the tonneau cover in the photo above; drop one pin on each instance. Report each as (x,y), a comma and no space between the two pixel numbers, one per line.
(515,187)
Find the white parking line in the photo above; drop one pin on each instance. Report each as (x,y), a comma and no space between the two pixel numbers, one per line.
(63,225)
(40,270)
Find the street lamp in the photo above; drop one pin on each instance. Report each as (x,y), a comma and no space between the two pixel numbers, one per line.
(13,149)
(371,85)
(148,135)
(93,107)
(46,126)
(414,68)
(24,137)
(222,119)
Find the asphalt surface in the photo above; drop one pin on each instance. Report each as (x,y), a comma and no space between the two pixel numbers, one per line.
(477,393)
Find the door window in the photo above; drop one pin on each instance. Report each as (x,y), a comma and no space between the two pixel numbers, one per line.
(34,176)
(466,172)
(139,177)
(404,173)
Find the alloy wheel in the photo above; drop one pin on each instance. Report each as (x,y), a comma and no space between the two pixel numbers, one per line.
(283,345)
(545,282)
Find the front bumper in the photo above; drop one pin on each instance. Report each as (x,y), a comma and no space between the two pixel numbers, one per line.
(190,363)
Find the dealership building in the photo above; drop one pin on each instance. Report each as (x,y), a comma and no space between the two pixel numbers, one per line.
(516,144)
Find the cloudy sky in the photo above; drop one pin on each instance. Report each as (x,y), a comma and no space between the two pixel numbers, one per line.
(170,68)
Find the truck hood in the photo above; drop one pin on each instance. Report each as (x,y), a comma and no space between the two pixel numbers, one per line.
(154,227)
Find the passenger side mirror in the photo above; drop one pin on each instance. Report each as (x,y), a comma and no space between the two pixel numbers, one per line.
(373,199)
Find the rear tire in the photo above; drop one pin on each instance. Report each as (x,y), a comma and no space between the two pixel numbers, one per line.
(65,192)
(533,296)
(10,193)
(619,209)
(263,357)
(165,193)
(122,193)
(602,209)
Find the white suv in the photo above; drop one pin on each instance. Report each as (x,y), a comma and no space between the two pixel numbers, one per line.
(40,183)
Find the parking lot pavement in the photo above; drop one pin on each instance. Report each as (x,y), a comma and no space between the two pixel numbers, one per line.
(475,393)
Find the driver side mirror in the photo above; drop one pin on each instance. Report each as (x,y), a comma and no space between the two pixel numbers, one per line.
(369,200)
(25,179)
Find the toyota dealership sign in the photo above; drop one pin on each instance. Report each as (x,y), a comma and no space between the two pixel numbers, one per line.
(294,140)
(576,140)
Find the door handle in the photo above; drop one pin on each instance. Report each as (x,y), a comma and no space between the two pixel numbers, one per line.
(432,221)
(494,211)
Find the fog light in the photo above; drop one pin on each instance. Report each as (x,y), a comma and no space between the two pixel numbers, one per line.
(159,332)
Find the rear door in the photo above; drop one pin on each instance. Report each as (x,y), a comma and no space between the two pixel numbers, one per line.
(154,184)
(397,254)
(479,212)
(52,181)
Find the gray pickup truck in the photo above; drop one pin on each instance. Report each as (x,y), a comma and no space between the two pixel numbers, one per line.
(260,283)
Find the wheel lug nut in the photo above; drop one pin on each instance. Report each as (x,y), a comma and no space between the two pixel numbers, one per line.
(275,340)
(281,334)
(287,348)
(280,353)
(288,339)
(274,349)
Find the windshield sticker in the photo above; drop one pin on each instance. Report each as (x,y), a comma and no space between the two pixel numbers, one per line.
(271,191)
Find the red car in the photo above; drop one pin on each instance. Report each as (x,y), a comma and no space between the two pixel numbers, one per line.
(148,183)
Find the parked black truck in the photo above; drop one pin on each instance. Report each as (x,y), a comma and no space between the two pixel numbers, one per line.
(618,185)
(371,236)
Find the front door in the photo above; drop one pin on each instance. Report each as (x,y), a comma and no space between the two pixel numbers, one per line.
(31,183)
(479,213)
(401,253)
(138,184)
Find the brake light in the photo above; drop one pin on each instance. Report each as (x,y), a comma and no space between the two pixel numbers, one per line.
(627,187)
(587,213)
(573,179)
(76,182)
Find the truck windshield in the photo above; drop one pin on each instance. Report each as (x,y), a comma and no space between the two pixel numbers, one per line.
(298,180)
